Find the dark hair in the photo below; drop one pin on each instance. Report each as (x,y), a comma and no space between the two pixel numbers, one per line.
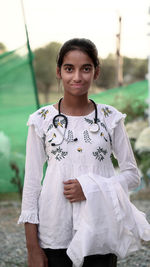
(84,45)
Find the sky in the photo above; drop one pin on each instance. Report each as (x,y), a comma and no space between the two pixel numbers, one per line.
(60,20)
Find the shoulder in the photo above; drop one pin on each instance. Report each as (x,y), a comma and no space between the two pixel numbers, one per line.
(110,115)
(41,118)
(107,110)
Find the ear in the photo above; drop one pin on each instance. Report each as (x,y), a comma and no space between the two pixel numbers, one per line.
(58,73)
(97,72)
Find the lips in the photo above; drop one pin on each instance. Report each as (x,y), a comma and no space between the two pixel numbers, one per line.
(76,85)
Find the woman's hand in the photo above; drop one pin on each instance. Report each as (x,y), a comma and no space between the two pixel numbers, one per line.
(37,258)
(73,191)
(36,255)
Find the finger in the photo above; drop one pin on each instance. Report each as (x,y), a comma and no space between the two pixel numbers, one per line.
(71,181)
(74,200)
(69,197)
(67,192)
(67,187)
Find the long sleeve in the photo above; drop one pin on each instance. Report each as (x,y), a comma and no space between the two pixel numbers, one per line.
(35,158)
(121,146)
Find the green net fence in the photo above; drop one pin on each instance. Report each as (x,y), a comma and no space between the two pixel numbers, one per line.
(133,94)
(17,101)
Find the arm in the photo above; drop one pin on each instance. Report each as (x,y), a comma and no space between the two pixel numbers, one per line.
(129,173)
(35,158)
(36,256)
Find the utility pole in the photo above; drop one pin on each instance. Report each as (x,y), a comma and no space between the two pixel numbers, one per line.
(119,63)
(148,100)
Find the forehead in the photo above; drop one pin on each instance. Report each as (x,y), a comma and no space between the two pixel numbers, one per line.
(77,57)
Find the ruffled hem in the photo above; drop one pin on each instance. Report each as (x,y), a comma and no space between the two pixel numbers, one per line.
(28,217)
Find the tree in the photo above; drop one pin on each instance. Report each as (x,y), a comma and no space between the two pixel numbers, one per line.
(134,69)
(107,77)
(3,48)
(45,67)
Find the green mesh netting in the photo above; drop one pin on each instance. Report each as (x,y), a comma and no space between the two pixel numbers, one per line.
(133,94)
(17,101)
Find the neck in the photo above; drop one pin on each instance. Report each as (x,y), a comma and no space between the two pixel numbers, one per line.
(74,102)
(76,105)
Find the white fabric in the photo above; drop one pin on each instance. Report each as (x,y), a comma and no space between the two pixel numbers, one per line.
(110,222)
(46,205)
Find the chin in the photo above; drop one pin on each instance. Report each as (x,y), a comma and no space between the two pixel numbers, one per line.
(77,92)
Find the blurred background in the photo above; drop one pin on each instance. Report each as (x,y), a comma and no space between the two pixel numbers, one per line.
(31,34)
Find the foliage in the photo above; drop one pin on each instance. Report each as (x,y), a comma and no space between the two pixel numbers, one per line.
(133,111)
(143,161)
(3,48)
(134,69)
(107,77)
(45,67)
(145,167)
(16,180)
(114,160)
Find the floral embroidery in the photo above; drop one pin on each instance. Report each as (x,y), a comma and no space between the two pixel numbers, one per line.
(102,134)
(79,149)
(110,139)
(100,153)
(90,121)
(60,122)
(50,127)
(87,138)
(60,154)
(43,113)
(53,136)
(104,126)
(43,138)
(70,137)
(106,111)
(63,121)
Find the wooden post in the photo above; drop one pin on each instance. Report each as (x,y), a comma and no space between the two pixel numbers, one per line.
(119,67)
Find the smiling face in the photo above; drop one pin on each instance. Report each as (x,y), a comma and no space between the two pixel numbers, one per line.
(77,73)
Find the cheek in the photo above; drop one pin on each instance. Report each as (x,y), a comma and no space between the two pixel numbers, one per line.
(66,77)
(89,78)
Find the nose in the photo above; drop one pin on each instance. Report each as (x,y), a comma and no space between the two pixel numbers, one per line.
(77,76)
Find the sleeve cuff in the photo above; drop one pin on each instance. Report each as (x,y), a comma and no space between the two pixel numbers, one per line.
(30,217)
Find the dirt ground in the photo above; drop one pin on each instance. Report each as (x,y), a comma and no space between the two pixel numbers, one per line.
(12,239)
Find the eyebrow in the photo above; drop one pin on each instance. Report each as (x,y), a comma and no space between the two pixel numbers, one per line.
(84,65)
(70,65)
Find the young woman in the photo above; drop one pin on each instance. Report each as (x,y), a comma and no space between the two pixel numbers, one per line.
(72,212)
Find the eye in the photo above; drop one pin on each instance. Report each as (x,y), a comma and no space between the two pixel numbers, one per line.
(69,69)
(87,69)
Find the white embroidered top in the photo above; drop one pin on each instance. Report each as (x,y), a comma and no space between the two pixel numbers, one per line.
(45,204)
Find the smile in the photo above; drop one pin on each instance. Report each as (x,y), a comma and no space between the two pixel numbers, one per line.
(77,85)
